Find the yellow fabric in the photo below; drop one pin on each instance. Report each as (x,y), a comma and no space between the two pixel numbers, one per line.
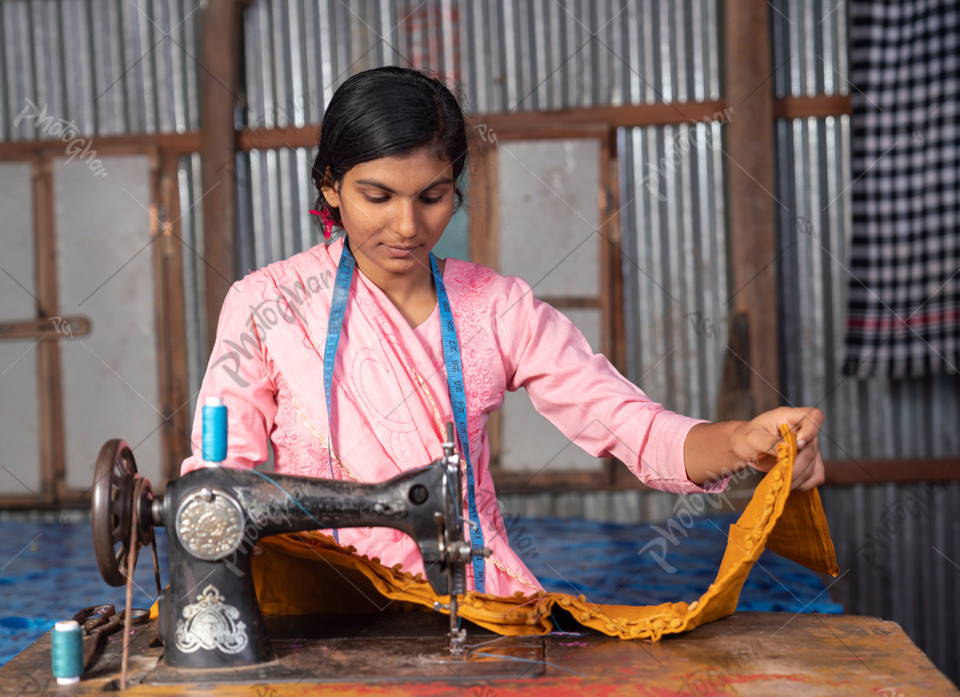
(306,573)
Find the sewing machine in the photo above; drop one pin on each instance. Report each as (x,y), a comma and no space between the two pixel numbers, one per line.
(209,615)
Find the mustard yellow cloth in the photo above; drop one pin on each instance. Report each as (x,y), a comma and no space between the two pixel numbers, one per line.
(307,573)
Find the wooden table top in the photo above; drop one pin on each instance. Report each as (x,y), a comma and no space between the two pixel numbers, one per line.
(748,653)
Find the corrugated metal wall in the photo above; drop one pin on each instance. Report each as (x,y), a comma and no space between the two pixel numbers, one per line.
(675,262)
(874,418)
(194,271)
(105,67)
(508,56)
(898,546)
(111,67)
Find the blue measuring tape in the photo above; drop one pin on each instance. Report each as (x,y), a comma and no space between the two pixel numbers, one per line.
(458,400)
(338,307)
(458,396)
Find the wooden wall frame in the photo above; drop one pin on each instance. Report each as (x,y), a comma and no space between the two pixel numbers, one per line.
(168,319)
(166,148)
(171,320)
(48,351)
(751,215)
(484,239)
(852,472)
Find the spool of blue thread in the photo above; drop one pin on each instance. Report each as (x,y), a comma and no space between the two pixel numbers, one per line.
(67,653)
(214,431)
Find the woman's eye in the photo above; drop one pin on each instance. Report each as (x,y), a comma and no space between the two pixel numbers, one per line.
(432,199)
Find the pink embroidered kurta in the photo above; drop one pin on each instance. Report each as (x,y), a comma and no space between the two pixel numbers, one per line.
(390,398)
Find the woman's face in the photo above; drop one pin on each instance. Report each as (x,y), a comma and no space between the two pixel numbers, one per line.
(394,211)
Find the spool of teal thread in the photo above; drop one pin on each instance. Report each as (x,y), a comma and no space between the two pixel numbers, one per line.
(67,653)
(214,431)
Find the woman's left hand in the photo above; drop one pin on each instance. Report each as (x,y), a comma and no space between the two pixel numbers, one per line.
(756,441)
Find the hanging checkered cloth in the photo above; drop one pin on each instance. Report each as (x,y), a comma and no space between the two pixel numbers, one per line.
(904,308)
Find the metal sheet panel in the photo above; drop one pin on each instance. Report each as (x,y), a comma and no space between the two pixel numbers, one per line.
(275,222)
(874,418)
(554,183)
(504,56)
(17,67)
(102,66)
(809,47)
(674,263)
(194,272)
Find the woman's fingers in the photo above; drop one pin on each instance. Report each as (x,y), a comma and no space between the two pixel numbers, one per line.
(759,439)
(807,426)
(805,422)
(808,467)
(808,470)
(819,474)
(763,441)
(756,440)
(756,443)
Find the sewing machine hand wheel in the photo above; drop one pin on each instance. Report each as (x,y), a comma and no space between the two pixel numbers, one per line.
(118,490)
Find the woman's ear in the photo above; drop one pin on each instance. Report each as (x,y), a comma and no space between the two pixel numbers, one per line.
(330,193)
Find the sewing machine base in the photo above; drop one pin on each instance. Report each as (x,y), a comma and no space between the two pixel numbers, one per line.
(370,648)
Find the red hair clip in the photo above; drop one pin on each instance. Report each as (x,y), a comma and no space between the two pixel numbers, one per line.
(326,220)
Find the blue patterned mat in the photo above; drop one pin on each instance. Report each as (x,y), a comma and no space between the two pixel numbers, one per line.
(48,571)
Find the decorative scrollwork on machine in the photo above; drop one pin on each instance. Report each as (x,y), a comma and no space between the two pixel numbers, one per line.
(211,624)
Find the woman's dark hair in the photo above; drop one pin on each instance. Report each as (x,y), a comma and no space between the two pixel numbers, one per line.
(383,112)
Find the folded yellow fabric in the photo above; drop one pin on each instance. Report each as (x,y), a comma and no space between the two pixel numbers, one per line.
(306,573)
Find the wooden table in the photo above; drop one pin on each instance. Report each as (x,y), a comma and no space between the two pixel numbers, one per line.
(748,653)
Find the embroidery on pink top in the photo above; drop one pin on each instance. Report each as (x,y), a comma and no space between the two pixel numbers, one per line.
(472,309)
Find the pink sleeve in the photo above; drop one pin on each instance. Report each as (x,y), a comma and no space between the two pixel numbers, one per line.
(587,398)
(237,373)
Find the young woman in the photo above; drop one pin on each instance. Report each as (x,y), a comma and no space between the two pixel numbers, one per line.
(378,307)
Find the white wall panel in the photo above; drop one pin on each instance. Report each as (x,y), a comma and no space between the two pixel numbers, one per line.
(19,438)
(105,269)
(547,195)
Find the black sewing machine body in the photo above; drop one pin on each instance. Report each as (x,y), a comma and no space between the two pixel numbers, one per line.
(216,515)
(209,616)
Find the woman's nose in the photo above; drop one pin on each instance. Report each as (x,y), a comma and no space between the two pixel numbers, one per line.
(405,220)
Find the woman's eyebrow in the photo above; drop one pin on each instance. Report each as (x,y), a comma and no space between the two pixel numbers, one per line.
(380,185)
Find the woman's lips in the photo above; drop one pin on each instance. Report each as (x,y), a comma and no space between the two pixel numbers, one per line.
(400,251)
